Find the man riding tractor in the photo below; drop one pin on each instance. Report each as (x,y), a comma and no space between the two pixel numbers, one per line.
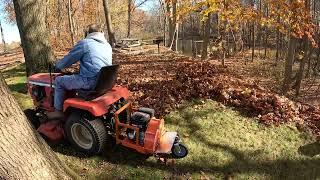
(93,52)
(89,110)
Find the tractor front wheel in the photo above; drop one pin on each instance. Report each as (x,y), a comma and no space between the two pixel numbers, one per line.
(179,151)
(89,137)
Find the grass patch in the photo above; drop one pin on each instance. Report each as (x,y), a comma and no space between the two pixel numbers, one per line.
(15,78)
(222,144)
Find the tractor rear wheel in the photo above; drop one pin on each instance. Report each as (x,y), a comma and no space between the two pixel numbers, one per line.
(89,137)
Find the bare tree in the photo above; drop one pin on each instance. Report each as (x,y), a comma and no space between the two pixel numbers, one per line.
(253,34)
(170,25)
(206,38)
(2,38)
(288,66)
(129,18)
(132,6)
(111,35)
(305,57)
(173,26)
(71,23)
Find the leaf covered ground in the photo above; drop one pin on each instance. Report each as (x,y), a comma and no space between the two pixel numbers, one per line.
(165,81)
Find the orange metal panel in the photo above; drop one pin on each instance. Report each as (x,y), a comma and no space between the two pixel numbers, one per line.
(166,142)
(98,106)
(152,135)
(128,143)
(43,77)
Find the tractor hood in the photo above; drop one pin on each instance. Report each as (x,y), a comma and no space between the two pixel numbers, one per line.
(42,79)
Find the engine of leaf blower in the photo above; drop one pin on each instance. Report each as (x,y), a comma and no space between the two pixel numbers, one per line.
(140,119)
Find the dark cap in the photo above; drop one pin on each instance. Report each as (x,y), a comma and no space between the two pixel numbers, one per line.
(93,28)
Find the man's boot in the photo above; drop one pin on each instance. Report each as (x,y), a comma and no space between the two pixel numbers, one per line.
(55,115)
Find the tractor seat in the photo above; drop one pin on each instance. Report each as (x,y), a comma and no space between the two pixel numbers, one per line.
(106,79)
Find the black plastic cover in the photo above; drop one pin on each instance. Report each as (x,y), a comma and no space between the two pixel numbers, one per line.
(140,119)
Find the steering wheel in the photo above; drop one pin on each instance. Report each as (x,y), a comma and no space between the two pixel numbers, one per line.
(66,73)
(63,72)
(56,70)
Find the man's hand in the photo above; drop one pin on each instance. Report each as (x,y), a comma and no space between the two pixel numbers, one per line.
(56,70)
(53,68)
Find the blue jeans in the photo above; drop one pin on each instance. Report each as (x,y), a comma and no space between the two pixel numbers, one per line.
(67,83)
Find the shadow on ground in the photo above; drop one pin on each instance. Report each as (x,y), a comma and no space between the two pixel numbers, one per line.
(311,150)
(19,87)
(298,169)
(241,161)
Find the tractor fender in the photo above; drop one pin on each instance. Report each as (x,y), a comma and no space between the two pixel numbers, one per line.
(99,106)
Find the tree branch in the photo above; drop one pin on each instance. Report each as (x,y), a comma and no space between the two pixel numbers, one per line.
(138,5)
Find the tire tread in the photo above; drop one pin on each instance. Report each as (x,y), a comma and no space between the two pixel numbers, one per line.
(96,128)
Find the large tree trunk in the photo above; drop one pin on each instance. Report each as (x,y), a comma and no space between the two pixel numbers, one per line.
(288,65)
(30,16)
(111,35)
(23,153)
(206,38)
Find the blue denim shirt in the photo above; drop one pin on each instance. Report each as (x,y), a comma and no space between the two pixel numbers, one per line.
(93,52)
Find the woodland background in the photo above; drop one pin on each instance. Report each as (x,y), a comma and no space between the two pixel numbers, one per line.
(280,31)
(239,79)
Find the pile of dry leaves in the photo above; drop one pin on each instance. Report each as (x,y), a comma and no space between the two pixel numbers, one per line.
(163,82)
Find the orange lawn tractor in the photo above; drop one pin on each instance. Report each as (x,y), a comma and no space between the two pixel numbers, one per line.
(95,117)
